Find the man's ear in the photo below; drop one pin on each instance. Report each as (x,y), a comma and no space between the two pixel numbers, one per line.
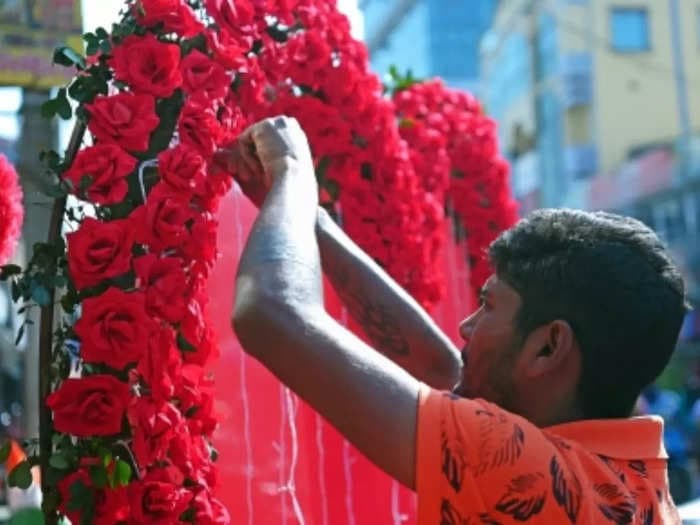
(549,349)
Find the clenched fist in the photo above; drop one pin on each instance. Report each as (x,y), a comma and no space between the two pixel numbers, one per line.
(268,149)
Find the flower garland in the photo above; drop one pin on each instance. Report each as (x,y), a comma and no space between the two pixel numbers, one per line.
(11,210)
(454,149)
(173,81)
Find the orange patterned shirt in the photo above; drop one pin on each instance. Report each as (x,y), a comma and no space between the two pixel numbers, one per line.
(477,464)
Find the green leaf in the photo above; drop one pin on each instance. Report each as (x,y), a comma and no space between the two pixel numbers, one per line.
(184,345)
(106,47)
(322,167)
(5,451)
(16,291)
(8,271)
(98,475)
(59,462)
(85,182)
(80,497)
(366,171)
(198,42)
(278,34)
(52,159)
(27,516)
(66,56)
(60,281)
(20,476)
(48,108)
(168,110)
(333,188)
(41,295)
(63,107)
(123,472)
(101,33)
(456,173)
(92,44)
(20,333)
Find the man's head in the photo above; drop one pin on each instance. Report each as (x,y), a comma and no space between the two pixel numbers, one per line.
(583,311)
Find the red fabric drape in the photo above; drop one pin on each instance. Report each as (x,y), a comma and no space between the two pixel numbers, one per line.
(279,463)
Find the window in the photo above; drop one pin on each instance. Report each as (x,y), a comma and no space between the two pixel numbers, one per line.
(630,29)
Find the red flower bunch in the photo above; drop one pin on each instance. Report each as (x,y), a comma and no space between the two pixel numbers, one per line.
(11,209)
(454,148)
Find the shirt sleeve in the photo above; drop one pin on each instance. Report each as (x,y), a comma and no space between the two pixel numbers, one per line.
(477,463)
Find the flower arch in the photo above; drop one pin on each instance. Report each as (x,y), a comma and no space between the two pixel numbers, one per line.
(131,414)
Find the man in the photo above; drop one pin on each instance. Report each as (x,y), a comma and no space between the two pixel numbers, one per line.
(582,312)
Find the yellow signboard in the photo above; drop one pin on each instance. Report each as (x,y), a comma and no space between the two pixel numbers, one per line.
(29,32)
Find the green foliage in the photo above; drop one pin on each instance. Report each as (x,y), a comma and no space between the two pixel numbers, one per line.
(168,110)
(5,450)
(20,476)
(399,81)
(27,516)
(69,57)
(59,105)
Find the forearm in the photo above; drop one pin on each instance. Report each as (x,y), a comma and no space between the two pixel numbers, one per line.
(281,241)
(392,320)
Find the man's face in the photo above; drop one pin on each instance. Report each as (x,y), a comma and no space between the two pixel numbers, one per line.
(491,345)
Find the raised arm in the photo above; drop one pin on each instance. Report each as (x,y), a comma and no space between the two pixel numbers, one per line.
(392,320)
(279,316)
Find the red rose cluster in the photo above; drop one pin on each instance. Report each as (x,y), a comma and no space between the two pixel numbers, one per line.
(454,149)
(196,73)
(11,209)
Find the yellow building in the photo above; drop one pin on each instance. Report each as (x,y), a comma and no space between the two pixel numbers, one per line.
(585,85)
(598,105)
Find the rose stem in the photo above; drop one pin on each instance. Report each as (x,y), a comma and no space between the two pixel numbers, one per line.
(46,343)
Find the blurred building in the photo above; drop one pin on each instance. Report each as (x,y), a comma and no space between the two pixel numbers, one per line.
(598,104)
(429,37)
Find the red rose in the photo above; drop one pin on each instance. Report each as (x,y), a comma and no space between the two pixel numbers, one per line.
(159,366)
(107,165)
(154,425)
(232,15)
(163,221)
(202,245)
(201,76)
(191,454)
(209,510)
(126,119)
(183,168)
(148,65)
(159,497)
(228,50)
(89,406)
(199,128)
(175,15)
(197,333)
(113,328)
(196,395)
(98,251)
(163,280)
(111,504)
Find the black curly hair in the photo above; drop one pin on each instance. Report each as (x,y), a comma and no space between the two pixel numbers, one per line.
(613,281)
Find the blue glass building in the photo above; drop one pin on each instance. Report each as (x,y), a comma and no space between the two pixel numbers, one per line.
(430,37)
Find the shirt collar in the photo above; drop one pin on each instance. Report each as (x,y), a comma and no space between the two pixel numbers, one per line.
(631,438)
